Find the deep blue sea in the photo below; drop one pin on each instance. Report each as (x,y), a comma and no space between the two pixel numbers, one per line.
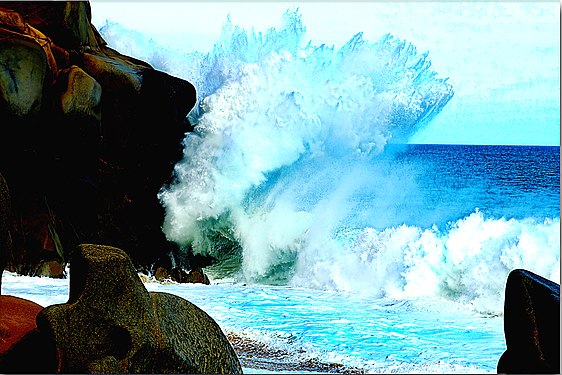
(335,239)
(501,181)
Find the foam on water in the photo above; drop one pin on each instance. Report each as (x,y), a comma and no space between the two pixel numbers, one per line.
(377,335)
(288,179)
(407,261)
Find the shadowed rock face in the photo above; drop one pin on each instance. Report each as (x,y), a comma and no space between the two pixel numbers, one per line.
(88,138)
(5,219)
(111,324)
(531,325)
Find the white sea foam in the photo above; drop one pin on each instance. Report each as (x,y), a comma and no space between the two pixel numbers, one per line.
(468,262)
(288,167)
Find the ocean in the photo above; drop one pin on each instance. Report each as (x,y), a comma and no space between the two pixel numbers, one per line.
(338,244)
(422,294)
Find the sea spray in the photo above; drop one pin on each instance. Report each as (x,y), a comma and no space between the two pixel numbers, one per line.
(289,177)
(270,101)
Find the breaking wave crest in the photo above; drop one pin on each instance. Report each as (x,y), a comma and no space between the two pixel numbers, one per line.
(288,179)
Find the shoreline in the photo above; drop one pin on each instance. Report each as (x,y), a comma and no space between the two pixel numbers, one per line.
(257,355)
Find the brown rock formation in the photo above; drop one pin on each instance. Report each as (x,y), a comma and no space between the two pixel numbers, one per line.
(89,137)
(196,275)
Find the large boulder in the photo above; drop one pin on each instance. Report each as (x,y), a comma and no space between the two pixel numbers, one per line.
(190,339)
(111,324)
(531,325)
(81,95)
(22,77)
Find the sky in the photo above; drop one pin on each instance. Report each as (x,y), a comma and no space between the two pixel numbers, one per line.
(502,58)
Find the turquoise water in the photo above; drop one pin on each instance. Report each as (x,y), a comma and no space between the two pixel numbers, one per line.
(372,334)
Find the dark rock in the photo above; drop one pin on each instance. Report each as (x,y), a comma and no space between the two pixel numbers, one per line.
(5,220)
(16,320)
(23,75)
(112,324)
(178,275)
(194,276)
(102,130)
(531,325)
(34,353)
(197,276)
(22,348)
(51,268)
(190,339)
(11,20)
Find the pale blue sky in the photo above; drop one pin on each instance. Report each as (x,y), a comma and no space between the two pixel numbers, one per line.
(502,58)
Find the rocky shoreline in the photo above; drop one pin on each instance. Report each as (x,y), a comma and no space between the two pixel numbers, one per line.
(257,355)
(89,137)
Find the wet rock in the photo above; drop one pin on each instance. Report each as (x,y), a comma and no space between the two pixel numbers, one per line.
(102,131)
(112,324)
(194,276)
(178,275)
(190,340)
(51,268)
(197,276)
(531,325)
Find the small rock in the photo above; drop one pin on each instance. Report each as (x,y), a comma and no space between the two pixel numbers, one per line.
(51,268)
(161,274)
(197,276)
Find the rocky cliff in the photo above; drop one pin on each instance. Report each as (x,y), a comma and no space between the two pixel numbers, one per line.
(88,137)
